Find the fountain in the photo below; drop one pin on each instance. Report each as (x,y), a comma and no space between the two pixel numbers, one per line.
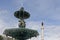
(21,33)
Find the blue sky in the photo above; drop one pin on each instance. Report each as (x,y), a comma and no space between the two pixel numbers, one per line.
(47,11)
(40,10)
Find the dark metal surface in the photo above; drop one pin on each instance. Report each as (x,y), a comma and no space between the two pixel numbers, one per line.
(19,33)
(21,14)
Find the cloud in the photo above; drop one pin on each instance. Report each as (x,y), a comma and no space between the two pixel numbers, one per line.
(18,3)
(4,25)
(43,9)
(50,31)
(2,22)
(39,9)
(3,11)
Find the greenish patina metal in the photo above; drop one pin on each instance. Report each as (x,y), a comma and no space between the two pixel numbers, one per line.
(21,33)
(1,38)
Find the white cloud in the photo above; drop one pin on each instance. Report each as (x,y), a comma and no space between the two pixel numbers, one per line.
(42,8)
(18,3)
(3,11)
(51,31)
(4,25)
